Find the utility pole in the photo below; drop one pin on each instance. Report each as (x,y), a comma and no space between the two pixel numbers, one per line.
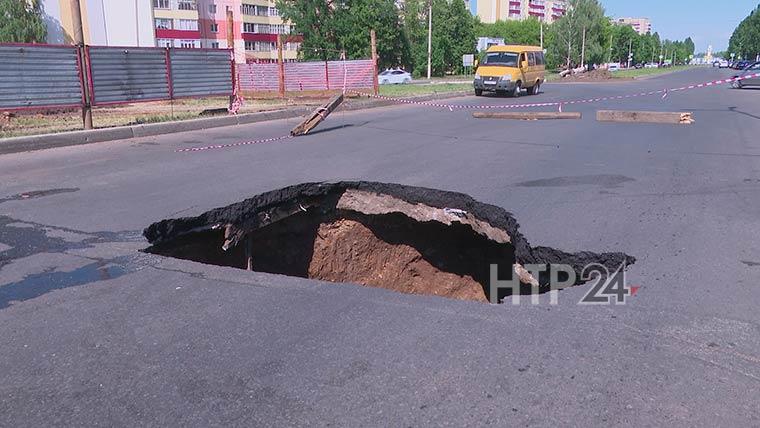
(542,35)
(76,17)
(583,49)
(609,57)
(373,47)
(281,67)
(630,47)
(430,37)
(230,30)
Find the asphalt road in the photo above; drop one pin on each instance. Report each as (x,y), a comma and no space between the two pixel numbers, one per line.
(95,333)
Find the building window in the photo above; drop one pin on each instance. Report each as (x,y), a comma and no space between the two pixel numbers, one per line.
(164,43)
(163,24)
(161,4)
(189,43)
(214,28)
(248,9)
(273,11)
(212,9)
(260,46)
(263,29)
(262,11)
(186,5)
(214,45)
(188,24)
(248,27)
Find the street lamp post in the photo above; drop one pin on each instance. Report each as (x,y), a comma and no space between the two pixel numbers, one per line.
(430,37)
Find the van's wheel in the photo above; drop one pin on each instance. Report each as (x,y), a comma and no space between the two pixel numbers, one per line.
(478,92)
(535,89)
(517,90)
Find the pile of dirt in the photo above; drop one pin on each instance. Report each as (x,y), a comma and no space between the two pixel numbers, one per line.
(590,76)
(407,239)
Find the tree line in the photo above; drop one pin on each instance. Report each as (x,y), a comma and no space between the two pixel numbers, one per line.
(745,41)
(584,35)
(21,22)
(333,29)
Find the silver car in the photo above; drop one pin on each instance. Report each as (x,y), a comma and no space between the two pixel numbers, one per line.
(394,77)
(748,81)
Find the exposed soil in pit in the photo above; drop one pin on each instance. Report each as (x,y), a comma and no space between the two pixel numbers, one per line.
(407,239)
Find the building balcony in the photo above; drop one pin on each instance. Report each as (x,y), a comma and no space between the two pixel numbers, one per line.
(165,33)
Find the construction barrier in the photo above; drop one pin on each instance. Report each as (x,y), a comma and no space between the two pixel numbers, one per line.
(39,76)
(307,76)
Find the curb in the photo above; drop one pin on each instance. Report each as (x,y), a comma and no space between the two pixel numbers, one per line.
(74,138)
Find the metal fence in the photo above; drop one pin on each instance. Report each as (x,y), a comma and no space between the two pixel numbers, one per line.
(34,76)
(126,75)
(200,72)
(306,76)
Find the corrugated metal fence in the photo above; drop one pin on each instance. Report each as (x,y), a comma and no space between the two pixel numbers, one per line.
(306,76)
(125,75)
(200,73)
(39,76)
(34,76)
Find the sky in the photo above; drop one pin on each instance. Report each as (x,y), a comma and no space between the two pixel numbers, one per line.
(707,22)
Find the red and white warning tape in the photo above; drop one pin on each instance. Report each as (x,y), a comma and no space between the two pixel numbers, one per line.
(226,146)
(664,93)
(451,107)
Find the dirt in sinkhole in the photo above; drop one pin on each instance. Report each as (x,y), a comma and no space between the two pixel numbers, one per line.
(389,250)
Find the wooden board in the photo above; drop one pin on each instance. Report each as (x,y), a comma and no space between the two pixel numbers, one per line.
(527,115)
(682,118)
(317,116)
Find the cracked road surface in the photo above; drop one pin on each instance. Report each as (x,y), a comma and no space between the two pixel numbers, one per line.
(95,332)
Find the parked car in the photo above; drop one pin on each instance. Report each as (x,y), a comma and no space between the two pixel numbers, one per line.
(613,66)
(722,63)
(749,81)
(741,65)
(651,65)
(394,77)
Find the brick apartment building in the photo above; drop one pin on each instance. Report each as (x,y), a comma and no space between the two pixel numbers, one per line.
(641,25)
(203,24)
(176,23)
(491,11)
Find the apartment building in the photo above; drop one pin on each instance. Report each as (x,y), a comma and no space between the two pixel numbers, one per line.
(641,25)
(491,11)
(105,23)
(203,24)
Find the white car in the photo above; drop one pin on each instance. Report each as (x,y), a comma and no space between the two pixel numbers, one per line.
(722,63)
(613,66)
(394,77)
(651,65)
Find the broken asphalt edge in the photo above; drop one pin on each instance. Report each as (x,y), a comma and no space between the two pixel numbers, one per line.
(74,138)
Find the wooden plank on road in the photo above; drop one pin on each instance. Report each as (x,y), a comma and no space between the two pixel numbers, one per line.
(317,116)
(527,115)
(683,118)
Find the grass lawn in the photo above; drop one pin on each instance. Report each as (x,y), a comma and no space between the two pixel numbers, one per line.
(627,74)
(412,90)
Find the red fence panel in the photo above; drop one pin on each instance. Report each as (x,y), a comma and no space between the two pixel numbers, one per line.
(307,76)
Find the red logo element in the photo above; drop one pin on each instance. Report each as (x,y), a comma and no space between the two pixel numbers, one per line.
(634,289)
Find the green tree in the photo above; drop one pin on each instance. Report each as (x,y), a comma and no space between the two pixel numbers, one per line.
(357,17)
(330,28)
(580,35)
(745,41)
(453,35)
(21,22)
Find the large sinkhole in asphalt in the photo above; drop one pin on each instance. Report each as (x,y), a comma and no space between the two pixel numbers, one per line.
(403,238)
